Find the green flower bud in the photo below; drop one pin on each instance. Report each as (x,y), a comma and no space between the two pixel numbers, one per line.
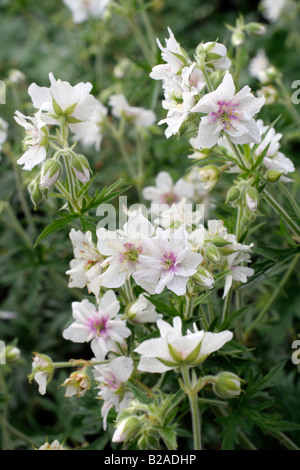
(126,429)
(227,385)
(209,174)
(233,194)
(212,253)
(36,194)
(12,354)
(203,278)
(252,199)
(255,28)
(273,175)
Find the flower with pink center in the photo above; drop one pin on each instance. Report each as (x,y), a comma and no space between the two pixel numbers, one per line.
(122,249)
(112,379)
(167,262)
(35,142)
(102,326)
(230,113)
(167,192)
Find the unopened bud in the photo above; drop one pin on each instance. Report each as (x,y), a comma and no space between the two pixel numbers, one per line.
(203,278)
(227,385)
(256,28)
(81,168)
(12,354)
(50,173)
(252,199)
(233,194)
(212,253)
(209,174)
(237,38)
(273,175)
(36,194)
(127,429)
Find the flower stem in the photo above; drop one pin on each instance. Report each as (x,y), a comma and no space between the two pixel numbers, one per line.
(189,307)
(195,412)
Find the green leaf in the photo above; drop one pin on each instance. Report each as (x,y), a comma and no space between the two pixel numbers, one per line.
(55,226)
(139,395)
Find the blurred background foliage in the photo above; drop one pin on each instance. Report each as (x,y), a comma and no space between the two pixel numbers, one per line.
(41,37)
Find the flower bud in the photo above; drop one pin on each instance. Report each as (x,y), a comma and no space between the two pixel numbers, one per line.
(126,429)
(256,28)
(12,354)
(81,168)
(252,199)
(227,385)
(213,254)
(36,194)
(50,173)
(269,92)
(233,194)
(237,38)
(203,278)
(209,174)
(273,175)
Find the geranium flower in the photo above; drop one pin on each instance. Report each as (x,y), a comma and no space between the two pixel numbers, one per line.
(86,266)
(228,113)
(75,103)
(122,249)
(167,192)
(83,9)
(142,311)
(102,326)
(167,262)
(112,380)
(173,349)
(35,141)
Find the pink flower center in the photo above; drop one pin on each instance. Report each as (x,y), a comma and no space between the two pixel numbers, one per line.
(169,261)
(226,114)
(131,253)
(111,381)
(170,198)
(98,325)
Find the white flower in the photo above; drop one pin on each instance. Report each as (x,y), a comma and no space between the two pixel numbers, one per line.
(55,445)
(74,102)
(112,380)
(86,266)
(215,56)
(259,66)
(90,133)
(166,192)
(142,311)
(273,160)
(35,140)
(167,262)
(42,371)
(174,56)
(83,9)
(238,272)
(122,249)
(272,9)
(230,113)
(138,116)
(102,326)
(179,100)
(173,348)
